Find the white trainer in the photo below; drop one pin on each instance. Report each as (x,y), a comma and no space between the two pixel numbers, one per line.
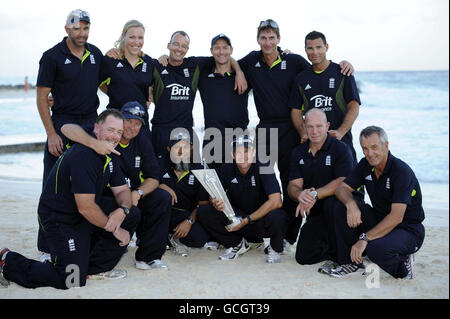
(112,274)
(272,256)
(154,264)
(178,247)
(45,257)
(233,252)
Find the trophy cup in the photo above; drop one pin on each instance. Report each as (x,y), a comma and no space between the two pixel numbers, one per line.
(211,182)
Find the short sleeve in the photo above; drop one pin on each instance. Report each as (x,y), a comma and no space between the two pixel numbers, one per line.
(47,71)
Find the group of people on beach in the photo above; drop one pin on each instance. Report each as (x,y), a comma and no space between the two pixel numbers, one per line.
(111,176)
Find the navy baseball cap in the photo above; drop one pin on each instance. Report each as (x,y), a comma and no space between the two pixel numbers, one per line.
(179,135)
(133,110)
(76,16)
(245,140)
(220,36)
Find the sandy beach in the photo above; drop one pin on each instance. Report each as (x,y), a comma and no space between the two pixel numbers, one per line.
(202,275)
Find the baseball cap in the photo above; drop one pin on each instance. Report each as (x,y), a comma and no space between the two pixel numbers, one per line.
(220,36)
(76,16)
(179,135)
(245,140)
(133,110)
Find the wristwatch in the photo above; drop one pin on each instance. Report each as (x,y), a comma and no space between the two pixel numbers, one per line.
(250,220)
(125,209)
(364,237)
(140,192)
(191,220)
(316,196)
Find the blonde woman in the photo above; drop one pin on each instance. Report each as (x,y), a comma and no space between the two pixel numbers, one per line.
(129,77)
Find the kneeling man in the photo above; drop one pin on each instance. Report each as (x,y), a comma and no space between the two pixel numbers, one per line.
(317,169)
(390,231)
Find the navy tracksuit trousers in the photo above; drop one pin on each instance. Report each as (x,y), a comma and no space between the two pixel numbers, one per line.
(389,252)
(197,236)
(317,241)
(153,229)
(272,226)
(77,248)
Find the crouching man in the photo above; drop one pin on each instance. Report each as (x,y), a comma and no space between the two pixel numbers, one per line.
(390,231)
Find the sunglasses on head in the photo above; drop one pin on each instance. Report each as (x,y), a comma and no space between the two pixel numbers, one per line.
(270,23)
(135,111)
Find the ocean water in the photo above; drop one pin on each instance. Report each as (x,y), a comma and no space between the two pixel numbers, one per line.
(412,106)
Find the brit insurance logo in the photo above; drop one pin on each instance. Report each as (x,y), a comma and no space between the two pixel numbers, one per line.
(179,92)
(322,101)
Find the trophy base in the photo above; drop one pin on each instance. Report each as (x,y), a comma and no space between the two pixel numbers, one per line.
(234,222)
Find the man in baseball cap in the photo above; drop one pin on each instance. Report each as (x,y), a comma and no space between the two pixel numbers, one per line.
(220,36)
(76,16)
(133,110)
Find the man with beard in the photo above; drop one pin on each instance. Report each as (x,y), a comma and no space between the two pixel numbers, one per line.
(141,169)
(70,71)
(186,191)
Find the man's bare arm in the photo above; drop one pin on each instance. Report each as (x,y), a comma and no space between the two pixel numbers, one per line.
(77,134)
(299,124)
(55,144)
(347,123)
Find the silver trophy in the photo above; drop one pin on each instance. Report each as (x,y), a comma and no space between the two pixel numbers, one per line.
(211,182)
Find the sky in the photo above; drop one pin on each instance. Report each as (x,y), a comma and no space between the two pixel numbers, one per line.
(374,35)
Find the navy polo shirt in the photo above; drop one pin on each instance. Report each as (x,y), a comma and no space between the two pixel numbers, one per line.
(329,90)
(272,85)
(332,161)
(126,84)
(78,171)
(250,191)
(73,83)
(138,160)
(223,107)
(188,189)
(397,184)
(174,91)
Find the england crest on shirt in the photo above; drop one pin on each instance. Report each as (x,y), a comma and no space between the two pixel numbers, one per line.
(191,179)
(328,160)
(388,183)
(144,67)
(92,59)
(283,65)
(137,162)
(331,83)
